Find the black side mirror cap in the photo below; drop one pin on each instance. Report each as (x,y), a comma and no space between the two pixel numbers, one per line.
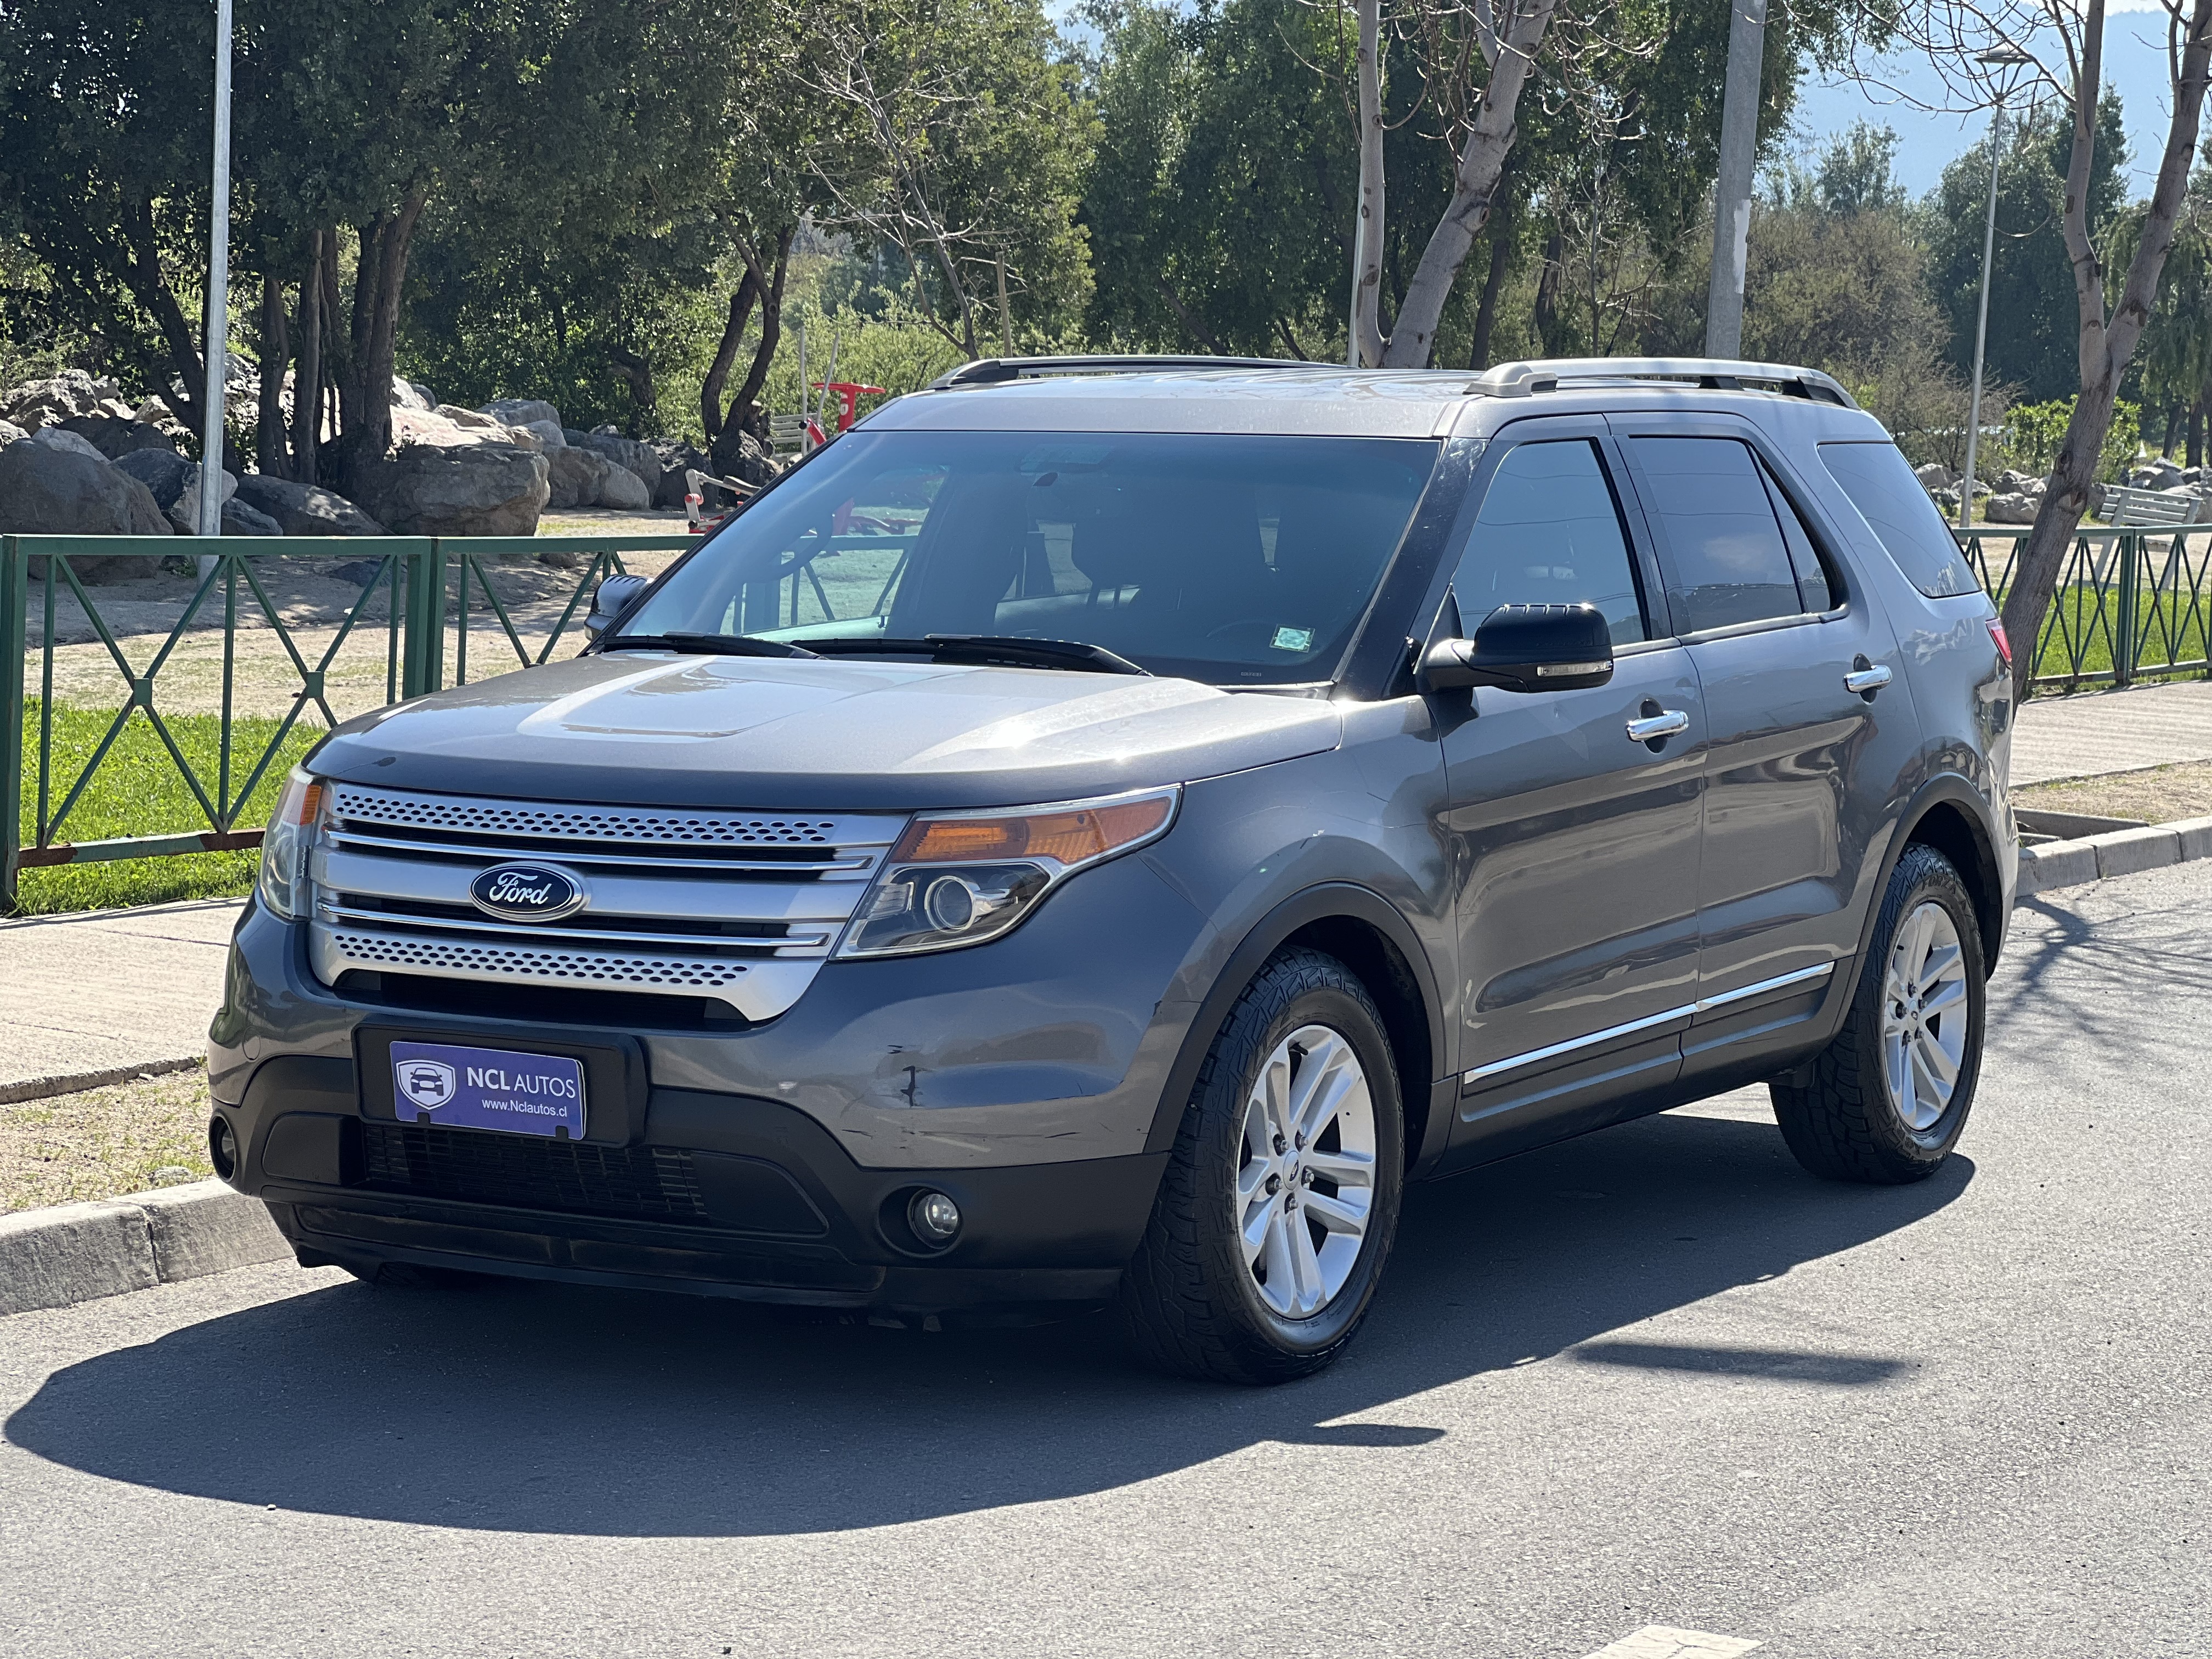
(1525,647)
(610,600)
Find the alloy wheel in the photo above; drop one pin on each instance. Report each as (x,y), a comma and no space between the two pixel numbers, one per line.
(1923,1017)
(1305,1186)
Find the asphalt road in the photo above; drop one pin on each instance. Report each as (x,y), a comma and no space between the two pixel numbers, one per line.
(1657,1377)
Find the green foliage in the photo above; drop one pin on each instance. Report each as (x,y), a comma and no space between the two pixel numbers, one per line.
(2033,433)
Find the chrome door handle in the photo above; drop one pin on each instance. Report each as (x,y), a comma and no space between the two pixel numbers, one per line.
(1863,680)
(1664,724)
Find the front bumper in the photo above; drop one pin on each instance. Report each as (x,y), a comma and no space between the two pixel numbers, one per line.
(720,1195)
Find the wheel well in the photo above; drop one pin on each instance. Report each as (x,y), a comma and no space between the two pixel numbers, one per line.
(1950,832)
(1383,969)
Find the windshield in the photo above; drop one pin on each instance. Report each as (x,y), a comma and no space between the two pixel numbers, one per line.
(1232,559)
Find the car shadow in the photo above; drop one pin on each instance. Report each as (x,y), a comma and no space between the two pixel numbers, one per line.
(552,1409)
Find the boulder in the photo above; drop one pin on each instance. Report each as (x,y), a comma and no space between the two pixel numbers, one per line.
(631,456)
(623,490)
(184,511)
(550,435)
(576,435)
(1935,476)
(675,460)
(574,476)
(473,490)
(524,437)
(61,438)
(303,509)
(175,483)
(2158,473)
(59,490)
(520,411)
(65,396)
(470,419)
(738,454)
(2014,506)
(115,436)
(239,519)
(1947,502)
(412,394)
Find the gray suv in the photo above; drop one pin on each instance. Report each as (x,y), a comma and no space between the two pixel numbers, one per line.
(1094,832)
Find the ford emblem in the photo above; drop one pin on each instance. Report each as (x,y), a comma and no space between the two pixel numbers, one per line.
(527,892)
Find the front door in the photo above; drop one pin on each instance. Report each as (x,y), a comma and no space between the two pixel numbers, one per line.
(1575,842)
(1807,712)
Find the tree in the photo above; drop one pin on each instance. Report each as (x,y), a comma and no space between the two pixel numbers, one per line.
(2109,327)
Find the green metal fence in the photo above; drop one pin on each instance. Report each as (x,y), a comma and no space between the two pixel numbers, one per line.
(2128,605)
(423,602)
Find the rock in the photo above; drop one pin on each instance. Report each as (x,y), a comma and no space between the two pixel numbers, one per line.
(301,509)
(239,519)
(576,435)
(623,490)
(58,489)
(175,483)
(412,394)
(2192,475)
(116,436)
(1947,502)
(555,559)
(523,437)
(520,411)
(184,511)
(1935,476)
(2014,506)
(675,459)
(549,433)
(71,393)
(359,572)
(2158,473)
(738,454)
(575,477)
(631,456)
(60,437)
(468,419)
(473,490)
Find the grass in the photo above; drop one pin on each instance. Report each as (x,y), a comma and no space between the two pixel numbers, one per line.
(104,1143)
(137,791)
(2169,628)
(2160,795)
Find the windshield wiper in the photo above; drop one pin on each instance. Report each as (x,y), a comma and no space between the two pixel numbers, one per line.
(991,650)
(706,645)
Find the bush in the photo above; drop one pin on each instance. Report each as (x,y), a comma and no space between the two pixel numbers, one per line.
(2034,432)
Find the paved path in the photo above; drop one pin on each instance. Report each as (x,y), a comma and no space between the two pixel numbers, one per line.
(106,994)
(1656,1377)
(2112,730)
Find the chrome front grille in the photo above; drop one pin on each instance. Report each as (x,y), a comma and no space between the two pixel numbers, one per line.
(736,906)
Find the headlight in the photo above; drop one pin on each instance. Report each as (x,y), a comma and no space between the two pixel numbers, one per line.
(960,879)
(286,843)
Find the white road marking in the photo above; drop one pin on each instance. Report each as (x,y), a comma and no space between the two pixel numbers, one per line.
(1665,1642)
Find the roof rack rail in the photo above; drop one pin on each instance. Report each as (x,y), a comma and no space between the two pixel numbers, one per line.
(996,371)
(1712,374)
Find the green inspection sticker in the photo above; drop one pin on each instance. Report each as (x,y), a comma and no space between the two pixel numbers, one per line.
(1293,639)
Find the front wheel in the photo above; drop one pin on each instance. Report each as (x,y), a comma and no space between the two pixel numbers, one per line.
(1888,1097)
(1277,1208)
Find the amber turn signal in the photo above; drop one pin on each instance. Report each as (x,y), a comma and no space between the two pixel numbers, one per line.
(1070,835)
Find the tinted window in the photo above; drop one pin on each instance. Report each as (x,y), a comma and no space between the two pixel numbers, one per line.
(1729,564)
(1815,592)
(1904,520)
(1550,534)
(1227,558)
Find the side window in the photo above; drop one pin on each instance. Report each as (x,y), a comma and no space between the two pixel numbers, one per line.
(1728,560)
(1879,482)
(1550,534)
(1814,590)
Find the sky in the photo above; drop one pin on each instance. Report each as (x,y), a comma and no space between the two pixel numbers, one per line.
(2134,66)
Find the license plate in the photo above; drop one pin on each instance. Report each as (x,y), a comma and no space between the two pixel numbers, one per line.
(455,1087)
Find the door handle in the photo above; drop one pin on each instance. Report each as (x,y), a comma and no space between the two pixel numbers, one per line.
(1867,681)
(1664,724)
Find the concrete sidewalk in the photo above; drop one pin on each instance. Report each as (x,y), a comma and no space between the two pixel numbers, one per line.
(2095,731)
(100,996)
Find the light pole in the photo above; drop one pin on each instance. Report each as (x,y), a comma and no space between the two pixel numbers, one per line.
(1997,57)
(218,289)
(1732,188)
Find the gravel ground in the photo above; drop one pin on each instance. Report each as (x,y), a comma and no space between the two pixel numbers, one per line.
(104,1143)
(2160,795)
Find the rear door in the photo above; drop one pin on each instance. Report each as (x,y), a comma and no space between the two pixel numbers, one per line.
(1576,845)
(1809,721)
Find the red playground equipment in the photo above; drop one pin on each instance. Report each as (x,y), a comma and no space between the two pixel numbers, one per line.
(848,397)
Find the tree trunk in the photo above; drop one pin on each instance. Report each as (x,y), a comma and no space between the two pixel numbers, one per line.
(2174,414)
(770,284)
(1501,262)
(143,275)
(2107,342)
(725,354)
(1474,188)
(307,378)
(365,393)
(1368,344)
(1198,330)
(2197,418)
(636,373)
(1551,281)
(271,453)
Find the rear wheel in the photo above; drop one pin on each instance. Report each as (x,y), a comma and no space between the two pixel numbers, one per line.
(1888,1097)
(1278,1206)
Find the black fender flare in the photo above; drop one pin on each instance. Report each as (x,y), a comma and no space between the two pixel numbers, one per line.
(1324,902)
(1949,788)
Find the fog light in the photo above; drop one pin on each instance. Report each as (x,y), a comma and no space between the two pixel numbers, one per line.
(223,1148)
(934,1217)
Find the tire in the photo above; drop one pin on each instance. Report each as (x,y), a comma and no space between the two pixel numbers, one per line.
(1195,1300)
(1852,1121)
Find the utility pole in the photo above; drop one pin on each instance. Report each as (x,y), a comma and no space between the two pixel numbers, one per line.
(218,289)
(1999,58)
(1732,192)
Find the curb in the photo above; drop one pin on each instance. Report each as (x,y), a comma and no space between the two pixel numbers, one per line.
(2116,853)
(42,1088)
(71,1253)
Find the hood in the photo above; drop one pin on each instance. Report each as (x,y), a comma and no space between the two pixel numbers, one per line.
(828,735)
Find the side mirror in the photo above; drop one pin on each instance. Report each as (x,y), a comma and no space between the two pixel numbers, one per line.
(610,599)
(1525,647)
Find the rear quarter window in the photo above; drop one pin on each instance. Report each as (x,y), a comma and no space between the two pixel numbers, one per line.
(1880,485)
